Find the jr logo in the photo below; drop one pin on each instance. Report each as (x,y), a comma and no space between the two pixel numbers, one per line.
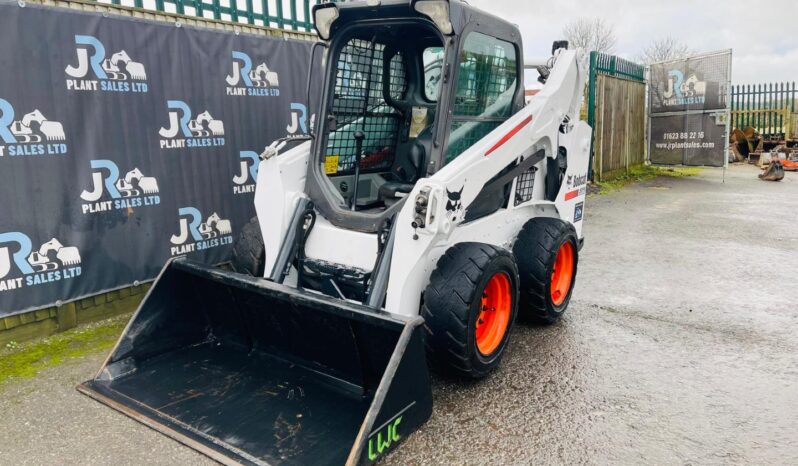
(96,61)
(109,74)
(299,120)
(182,132)
(675,80)
(682,91)
(248,171)
(33,134)
(133,190)
(50,263)
(260,81)
(23,249)
(196,235)
(386,437)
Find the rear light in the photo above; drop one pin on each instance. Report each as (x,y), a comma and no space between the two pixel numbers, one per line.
(323,18)
(437,11)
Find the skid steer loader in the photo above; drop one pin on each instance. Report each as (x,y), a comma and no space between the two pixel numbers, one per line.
(428,209)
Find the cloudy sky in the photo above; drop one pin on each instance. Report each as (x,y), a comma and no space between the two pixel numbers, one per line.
(764,50)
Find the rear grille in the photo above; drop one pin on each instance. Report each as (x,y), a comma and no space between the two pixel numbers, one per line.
(525,186)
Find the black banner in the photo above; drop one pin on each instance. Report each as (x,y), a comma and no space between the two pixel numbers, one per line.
(125,142)
(695,139)
(697,83)
(689,110)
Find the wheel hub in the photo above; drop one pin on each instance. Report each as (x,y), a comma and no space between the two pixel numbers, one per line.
(562,273)
(494,313)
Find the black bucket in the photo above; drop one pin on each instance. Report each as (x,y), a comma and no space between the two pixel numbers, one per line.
(247,371)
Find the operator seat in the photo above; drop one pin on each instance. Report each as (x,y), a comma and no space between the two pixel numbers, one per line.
(409,166)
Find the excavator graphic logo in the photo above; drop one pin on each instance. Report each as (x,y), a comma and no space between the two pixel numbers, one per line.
(183,131)
(248,173)
(33,134)
(246,80)
(132,190)
(119,73)
(50,263)
(196,235)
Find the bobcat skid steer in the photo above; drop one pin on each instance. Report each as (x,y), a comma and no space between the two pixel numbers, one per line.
(429,209)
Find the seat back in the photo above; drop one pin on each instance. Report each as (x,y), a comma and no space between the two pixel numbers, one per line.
(411,157)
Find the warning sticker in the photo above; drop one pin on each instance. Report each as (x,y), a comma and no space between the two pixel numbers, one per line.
(331,164)
(579,211)
(419,121)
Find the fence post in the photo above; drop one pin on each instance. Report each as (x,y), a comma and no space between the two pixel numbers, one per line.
(266,18)
(293,15)
(782,107)
(233,11)
(792,110)
(280,19)
(308,20)
(627,118)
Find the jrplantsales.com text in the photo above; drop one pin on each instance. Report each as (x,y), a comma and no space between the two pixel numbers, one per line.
(685,145)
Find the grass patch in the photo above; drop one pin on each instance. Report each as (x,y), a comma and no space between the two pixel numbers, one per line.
(25,360)
(640,173)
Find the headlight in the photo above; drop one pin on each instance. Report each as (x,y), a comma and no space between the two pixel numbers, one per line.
(437,11)
(323,18)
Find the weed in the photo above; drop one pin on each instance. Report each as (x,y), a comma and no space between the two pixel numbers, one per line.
(25,360)
(640,173)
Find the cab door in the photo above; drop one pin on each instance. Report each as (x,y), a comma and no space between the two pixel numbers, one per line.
(485,90)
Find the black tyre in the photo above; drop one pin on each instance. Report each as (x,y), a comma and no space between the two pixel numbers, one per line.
(249,254)
(547,255)
(469,308)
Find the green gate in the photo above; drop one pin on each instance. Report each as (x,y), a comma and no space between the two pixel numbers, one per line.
(616,112)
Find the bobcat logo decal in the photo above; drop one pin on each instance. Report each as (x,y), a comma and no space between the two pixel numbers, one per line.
(454,206)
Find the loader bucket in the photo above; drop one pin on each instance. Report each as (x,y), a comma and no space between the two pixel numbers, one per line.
(247,371)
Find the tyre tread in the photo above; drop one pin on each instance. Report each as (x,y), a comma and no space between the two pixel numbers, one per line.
(447,303)
(248,251)
(534,249)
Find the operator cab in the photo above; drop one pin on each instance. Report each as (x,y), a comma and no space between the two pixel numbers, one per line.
(384,95)
(388,75)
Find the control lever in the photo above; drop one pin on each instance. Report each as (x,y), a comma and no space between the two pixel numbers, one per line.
(359,137)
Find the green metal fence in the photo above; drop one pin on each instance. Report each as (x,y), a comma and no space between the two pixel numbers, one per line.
(283,14)
(609,65)
(768,108)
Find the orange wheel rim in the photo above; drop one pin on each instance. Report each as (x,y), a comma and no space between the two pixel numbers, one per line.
(494,313)
(562,273)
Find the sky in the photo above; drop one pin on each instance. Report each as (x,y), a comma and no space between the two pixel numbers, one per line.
(764,50)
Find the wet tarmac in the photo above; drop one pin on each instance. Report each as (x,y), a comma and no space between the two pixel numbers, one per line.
(680,347)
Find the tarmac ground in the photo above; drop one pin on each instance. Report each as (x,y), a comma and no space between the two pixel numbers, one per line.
(679,347)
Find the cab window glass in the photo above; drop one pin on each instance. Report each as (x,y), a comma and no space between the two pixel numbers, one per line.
(433,65)
(486,85)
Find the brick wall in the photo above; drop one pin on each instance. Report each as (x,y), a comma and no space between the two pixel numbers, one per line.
(51,320)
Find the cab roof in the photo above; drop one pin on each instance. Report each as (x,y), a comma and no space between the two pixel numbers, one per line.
(460,14)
